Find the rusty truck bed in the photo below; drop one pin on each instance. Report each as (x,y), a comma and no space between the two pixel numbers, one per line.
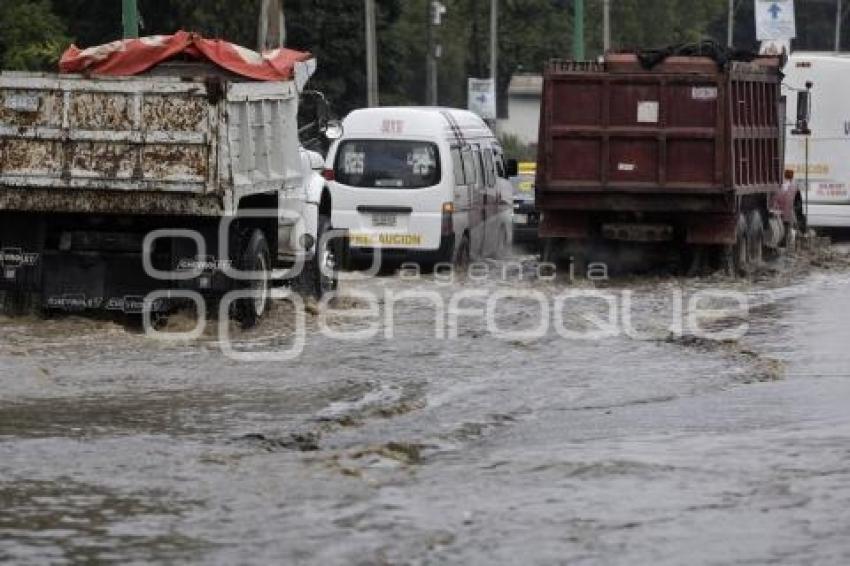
(685,136)
(142,145)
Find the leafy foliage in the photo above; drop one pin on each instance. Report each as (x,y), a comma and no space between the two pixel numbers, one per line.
(516,149)
(33,37)
(33,32)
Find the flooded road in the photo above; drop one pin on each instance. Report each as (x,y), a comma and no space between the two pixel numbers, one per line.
(650,444)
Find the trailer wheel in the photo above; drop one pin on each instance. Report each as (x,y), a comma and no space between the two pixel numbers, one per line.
(255,257)
(321,274)
(755,237)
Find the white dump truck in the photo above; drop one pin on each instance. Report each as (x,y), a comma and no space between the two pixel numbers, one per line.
(186,176)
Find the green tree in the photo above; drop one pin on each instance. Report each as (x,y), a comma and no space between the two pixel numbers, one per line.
(32,36)
(530,33)
(34,32)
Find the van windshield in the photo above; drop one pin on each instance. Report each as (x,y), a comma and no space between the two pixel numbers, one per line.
(388,164)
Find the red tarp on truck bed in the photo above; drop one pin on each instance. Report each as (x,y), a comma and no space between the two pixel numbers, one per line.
(134,56)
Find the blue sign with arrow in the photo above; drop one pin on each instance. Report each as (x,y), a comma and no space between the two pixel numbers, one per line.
(775,19)
(775,10)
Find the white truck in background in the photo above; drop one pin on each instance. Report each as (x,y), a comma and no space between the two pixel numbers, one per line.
(826,159)
(201,166)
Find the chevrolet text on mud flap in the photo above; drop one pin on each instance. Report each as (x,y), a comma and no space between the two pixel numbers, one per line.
(204,264)
(131,304)
(13,259)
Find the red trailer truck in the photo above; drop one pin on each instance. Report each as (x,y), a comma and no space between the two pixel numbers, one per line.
(686,155)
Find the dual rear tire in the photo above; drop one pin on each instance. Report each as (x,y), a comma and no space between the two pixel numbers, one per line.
(746,256)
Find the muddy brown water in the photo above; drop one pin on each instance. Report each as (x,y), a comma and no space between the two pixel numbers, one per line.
(639,447)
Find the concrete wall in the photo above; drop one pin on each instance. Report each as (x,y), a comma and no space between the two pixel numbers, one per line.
(524,118)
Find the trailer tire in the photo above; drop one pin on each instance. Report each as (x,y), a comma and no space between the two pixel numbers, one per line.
(313,280)
(255,257)
(755,240)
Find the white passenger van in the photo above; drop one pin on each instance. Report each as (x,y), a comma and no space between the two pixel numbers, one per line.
(421,184)
(829,143)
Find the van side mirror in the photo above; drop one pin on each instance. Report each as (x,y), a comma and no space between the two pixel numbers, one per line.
(511,168)
(804,100)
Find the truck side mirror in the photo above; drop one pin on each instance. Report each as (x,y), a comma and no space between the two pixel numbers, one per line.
(802,108)
(333,129)
(511,168)
(804,99)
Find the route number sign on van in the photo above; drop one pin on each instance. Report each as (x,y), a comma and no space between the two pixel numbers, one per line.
(775,19)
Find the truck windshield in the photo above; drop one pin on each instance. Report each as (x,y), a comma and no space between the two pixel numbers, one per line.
(390,164)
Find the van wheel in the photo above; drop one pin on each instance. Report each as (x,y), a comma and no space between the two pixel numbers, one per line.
(255,257)
(547,250)
(461,256)
(755,232)
(320,275)
(502,245)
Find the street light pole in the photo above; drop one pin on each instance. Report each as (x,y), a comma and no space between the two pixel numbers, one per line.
(371,55)
(430,63)
(606,25)
(494,49)
(431,86)
(838,18)
(730,26)
(578,31)
(130,18)
(271,27)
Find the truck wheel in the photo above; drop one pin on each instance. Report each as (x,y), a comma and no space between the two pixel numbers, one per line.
(800,216)
(755,233)
(694,257)
(740,251)
(548,252)
(313,280)
(255,257)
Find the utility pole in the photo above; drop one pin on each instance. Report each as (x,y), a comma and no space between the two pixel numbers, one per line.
(606,25)
(838,17)
(494,51)
(130,18)
(578,31)
(430,61)
(435,18)
(730,25)
(371,55)
(271,29)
